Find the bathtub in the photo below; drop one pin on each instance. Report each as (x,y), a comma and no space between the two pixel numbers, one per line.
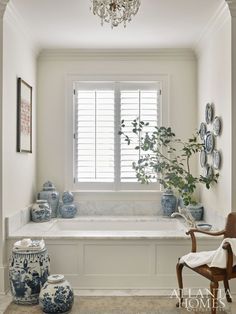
(115,253)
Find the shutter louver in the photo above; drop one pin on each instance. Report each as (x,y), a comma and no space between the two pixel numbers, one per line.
(94,136)
(141,104)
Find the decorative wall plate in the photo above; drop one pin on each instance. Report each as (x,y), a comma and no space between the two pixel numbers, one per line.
(209,113)
(208,171)
(209,142)
(216,157)
(202,130)
(203,158)
(217,126)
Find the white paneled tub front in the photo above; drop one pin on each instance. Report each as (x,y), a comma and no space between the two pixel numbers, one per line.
(138,253)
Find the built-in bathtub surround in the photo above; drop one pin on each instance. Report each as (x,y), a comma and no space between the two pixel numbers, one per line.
(116,252)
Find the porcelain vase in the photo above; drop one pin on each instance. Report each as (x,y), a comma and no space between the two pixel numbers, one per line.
(50,194)
(56,296)
(41,211)
(67,209)
(168,202)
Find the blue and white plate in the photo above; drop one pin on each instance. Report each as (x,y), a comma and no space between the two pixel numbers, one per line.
(217,126)
(209,142)
(202,130)
(216,157)
(203,158)
(209,113)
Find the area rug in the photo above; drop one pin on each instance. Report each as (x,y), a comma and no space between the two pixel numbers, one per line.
(115,305)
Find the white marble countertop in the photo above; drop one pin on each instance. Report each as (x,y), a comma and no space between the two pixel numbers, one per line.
(49,230)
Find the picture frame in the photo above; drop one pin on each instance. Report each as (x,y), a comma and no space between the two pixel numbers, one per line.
(24,116)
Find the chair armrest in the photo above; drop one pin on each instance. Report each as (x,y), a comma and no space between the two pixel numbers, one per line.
(192,232)
(229,261)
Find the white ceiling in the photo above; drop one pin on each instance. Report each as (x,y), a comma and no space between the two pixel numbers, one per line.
(158,24)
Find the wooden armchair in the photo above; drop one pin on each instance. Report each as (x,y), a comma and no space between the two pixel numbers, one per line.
(212,273)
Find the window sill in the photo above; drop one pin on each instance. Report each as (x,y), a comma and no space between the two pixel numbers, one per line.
(121,195)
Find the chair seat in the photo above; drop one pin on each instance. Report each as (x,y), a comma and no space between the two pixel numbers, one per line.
(212,273)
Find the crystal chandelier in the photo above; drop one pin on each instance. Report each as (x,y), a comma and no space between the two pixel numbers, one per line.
(115,11)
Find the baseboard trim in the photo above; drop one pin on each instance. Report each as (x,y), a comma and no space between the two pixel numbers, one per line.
(4,286)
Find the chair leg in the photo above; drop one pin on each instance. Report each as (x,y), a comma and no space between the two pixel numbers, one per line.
(214,290)
(179,268)
(227,290)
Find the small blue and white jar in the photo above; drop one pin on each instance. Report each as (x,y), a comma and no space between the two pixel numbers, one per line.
(41,211)
(68,210)
(168,202)
(67,197)
(56,296)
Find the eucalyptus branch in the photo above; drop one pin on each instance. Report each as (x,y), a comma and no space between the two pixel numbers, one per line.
(170,164)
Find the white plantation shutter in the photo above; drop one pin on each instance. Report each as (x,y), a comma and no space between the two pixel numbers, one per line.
(94,134)
(100,155)
(136,103)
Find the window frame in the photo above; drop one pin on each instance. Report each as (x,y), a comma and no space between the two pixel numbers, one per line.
(163,81)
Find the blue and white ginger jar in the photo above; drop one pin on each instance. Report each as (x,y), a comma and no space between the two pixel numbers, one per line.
(28,271)
(41,211)
(50,194)
(56,296)
(168,203)
(67,197)
(68,209)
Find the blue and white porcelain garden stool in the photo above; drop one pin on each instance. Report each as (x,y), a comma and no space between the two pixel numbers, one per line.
(28,271)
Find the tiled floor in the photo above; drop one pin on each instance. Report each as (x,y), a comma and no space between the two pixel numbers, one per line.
(113,305)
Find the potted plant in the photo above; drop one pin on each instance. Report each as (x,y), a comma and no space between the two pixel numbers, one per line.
(167,159)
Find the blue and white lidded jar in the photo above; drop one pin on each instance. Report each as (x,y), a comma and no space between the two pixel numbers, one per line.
(28,270)
(67,197)
(68,209)
(168,202)
(41,211)
(50,194)
(56,296)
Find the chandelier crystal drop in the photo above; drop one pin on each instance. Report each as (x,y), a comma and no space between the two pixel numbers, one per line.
(115,11)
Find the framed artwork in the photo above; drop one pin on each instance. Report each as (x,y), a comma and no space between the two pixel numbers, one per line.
(24,116)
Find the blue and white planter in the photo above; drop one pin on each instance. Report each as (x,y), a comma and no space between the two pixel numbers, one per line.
(197,211)
(28,271)
(41,211)
(56,296)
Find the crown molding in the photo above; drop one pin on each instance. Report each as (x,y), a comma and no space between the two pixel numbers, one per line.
(217,21)
(116,54)
(232,7)
(3,5)
(14,19)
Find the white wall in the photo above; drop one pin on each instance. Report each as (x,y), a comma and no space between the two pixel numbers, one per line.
(214,85)
(19,169)
(53,68)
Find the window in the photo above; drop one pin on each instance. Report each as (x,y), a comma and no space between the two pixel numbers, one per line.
(102,159)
